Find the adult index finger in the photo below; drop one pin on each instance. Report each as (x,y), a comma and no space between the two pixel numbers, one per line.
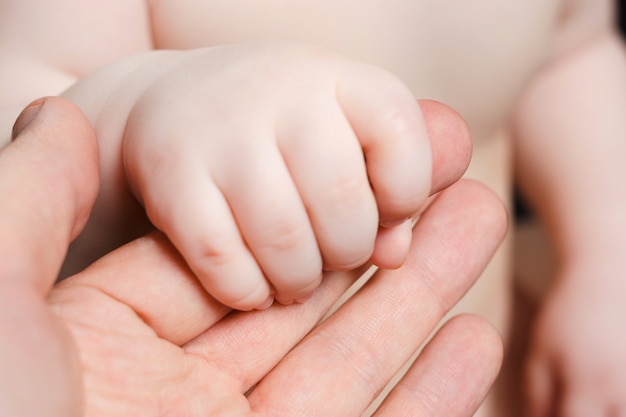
(350,357)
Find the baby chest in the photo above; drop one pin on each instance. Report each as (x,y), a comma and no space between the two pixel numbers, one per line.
(474,55)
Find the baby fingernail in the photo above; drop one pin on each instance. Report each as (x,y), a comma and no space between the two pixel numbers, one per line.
(392,222)
(266,304)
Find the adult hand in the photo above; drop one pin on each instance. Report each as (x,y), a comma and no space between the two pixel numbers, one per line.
(135,334)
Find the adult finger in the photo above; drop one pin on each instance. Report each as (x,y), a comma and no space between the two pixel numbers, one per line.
(149,276)
(48,184)
(452,375)
(359,348)
(450,143)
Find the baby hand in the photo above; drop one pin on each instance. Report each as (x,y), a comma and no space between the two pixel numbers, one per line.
(576,364)
(265,164)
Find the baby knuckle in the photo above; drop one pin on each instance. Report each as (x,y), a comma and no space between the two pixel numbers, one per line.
(217,253)
(402,122)
(347,193)
(285,236)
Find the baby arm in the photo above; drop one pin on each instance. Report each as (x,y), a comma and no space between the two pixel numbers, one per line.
(263,164)
(571,151)
(41,54)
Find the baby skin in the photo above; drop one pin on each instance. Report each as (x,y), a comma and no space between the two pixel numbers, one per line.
(270,140)
(265,163)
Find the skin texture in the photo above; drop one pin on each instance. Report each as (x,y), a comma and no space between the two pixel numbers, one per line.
(539,82)
(137,334)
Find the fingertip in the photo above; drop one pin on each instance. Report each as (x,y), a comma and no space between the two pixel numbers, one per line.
(54,134)
(257,299)
(488,209)
(450,140)
(266,304)
(299,292)
(296,292)
(50,173)
(244,292)
(26,117)
(486,341)
(392,244)
(229,275)
(454,372)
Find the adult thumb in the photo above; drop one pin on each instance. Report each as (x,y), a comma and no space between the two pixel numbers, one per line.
(48,185)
